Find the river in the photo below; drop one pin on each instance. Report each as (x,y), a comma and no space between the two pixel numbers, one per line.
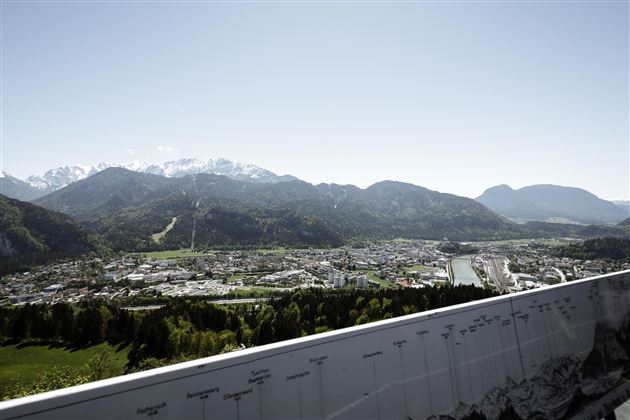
(463,272)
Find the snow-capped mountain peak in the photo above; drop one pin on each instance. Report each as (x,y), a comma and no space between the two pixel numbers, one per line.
(57,178)
(189,166)
(60,177)
(134,165)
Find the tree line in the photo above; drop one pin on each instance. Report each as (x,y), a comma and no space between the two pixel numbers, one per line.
(612,249)
(189,328)
(199,328)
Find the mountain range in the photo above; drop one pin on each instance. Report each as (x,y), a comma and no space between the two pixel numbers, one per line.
(36,186)
(128,207)
(552,203)
(549,203)
(131,209)
(186,204)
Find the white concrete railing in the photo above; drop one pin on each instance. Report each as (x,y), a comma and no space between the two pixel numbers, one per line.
(556,352)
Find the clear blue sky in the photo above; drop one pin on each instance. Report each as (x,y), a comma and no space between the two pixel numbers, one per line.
(456,97)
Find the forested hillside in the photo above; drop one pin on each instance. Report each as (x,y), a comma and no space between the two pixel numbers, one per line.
(129,207)
(29,233)
(598,248)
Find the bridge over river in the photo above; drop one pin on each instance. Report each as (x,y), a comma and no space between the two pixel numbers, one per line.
(557,352)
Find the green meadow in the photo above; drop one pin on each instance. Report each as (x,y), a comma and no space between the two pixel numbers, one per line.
(26,360)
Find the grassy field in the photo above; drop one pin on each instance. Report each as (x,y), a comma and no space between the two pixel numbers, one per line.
(236,277)
(416,268)
(183,253)
(254,291)
(276,251)
(178,253)
(383,283)
(27,361)
(542,241)
(400,241)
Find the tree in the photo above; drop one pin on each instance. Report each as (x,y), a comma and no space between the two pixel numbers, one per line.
(286,323)
(63,316)
(104,365)
(90,326)
(264,333)
(47,380)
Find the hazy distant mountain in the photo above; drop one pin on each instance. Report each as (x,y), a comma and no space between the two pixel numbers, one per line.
(551,203)
(624,205)
(29,230)
(57,178)
(12,187)
(128,207)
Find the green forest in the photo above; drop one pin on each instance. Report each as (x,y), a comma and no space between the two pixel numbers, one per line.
(612,249)
(188,328)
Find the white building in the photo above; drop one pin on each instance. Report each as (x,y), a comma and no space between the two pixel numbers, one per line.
(110,276)
(135,277)
(331,276)
(53,288)
(339,280)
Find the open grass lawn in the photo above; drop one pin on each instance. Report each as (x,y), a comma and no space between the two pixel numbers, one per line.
(178,253)
(236,277)
(541,241)
(253,291)
(183,253)
(416,268)
(277,250)
(383,283)
(28,360)
(400,241)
